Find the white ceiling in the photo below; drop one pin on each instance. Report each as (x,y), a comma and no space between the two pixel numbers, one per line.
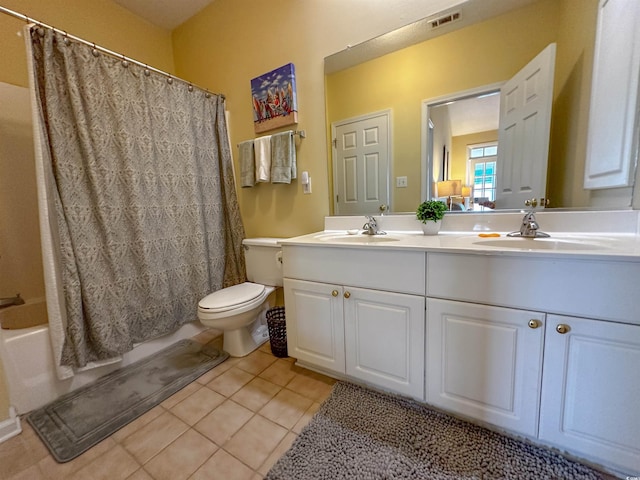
(473,115)
(165,13)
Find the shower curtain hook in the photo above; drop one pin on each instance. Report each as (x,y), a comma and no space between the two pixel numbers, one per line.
(94,51)
(169,79)
(147,72)
(207,95)
(125,64)
(190,88)
(66,40)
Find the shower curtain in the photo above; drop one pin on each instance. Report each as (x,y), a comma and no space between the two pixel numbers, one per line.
(138,210)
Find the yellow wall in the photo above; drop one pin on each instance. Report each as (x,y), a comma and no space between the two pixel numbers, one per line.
(100,21)
(459,146)
(493,51)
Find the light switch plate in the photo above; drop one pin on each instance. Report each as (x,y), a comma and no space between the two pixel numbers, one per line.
(401,182)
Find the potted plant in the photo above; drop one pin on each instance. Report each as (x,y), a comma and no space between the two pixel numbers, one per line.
(430,213)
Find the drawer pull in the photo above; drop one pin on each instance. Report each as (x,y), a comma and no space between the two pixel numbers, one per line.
(347,294)
(562,328)
(533,323)
(334,293)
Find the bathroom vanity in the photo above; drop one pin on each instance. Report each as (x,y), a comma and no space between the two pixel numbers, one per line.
(540,338)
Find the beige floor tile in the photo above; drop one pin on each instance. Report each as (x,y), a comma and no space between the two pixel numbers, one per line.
(180,395)
(312,385)
(183,457)
(286,408)
(306,418)
(256,362)
(280,372)
(21,452)
(52,470)
(116,464)
(230,381)
(138,423)
(193,408)
(256,394)
(218,370)
(154,436)
(224,466)
(140,475)
(254,442)
(220,425)
(282,447)
(31,473)
(207,336)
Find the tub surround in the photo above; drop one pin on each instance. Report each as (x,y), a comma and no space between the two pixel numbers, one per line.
(559,331)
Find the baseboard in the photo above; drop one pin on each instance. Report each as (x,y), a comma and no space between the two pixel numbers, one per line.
(10,427)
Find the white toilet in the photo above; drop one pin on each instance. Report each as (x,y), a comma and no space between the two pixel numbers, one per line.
(239,311)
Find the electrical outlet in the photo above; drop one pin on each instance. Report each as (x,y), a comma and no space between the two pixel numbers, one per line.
(401,182)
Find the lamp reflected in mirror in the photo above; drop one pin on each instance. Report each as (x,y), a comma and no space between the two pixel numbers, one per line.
(450,192)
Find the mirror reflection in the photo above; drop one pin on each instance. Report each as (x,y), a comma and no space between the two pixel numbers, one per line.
(489,52)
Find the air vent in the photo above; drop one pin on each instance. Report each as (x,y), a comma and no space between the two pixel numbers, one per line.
(448,18)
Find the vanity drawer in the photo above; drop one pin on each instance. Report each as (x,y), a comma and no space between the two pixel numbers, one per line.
(390,270)
(600,289)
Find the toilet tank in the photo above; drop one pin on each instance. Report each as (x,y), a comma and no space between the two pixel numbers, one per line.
(263,257)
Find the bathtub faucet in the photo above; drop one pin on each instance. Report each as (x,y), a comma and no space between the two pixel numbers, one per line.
(7,302)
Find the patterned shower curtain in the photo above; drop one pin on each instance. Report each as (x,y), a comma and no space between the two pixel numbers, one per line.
(141,195)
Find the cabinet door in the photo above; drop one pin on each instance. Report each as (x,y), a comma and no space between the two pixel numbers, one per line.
(485,362)
(315,326)
(591,390)
(384,338)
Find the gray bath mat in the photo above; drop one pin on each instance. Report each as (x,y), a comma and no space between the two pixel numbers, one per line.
(80,419)
(361,434)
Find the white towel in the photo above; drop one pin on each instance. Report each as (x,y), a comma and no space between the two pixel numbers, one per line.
(247,164)
(283,158)
(263,158)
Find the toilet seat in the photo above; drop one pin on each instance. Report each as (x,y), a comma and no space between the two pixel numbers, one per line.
(242,296)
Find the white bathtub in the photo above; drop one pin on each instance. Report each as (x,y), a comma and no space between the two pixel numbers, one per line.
(27,358)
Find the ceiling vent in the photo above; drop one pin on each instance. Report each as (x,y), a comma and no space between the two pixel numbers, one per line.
(445,19)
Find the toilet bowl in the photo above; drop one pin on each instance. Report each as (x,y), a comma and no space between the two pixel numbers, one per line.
(239,310)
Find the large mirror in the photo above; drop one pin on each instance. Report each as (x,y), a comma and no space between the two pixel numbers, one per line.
(391,86)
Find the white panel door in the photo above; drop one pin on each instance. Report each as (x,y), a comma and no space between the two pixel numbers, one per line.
(315,325)
(523,136)
(591,390)
(485,362)
(361,164)
(614,93)
(384,338)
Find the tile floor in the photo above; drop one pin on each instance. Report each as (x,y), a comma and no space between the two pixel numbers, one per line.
(232,423)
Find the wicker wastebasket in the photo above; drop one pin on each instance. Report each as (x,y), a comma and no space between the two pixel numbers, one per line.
(277,331)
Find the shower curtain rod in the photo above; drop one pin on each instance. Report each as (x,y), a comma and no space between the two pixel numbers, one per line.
(27,19)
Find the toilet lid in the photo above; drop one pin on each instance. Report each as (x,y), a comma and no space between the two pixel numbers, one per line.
(231,297)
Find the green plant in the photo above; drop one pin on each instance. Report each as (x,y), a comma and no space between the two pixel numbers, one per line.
(431,211)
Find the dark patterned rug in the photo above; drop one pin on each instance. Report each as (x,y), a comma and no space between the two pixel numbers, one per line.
(80,419)
(362,434)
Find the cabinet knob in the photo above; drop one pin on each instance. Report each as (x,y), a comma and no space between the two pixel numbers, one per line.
(334,293)
(562,328)
(533,323)
(347,294)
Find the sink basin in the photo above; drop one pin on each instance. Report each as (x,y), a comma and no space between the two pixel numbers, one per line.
(360,239)
(540,244)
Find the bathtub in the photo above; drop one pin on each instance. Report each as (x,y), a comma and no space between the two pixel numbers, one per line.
(27,358)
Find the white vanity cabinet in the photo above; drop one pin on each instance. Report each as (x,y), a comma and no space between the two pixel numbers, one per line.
(479,337)
(358,313)
(591,389)
(485,362)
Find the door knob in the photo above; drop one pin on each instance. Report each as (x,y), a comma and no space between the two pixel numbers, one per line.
(347,294)
(533,323)
(562,328)
(334,293)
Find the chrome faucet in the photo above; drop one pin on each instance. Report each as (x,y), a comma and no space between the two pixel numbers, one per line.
(371,227)
(9,301)
(529,227)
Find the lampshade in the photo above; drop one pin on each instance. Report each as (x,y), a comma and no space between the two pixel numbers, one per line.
(466,191)
(449,187)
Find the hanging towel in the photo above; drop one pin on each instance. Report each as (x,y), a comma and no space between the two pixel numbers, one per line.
(283,157)
(263,158)
(247,164)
